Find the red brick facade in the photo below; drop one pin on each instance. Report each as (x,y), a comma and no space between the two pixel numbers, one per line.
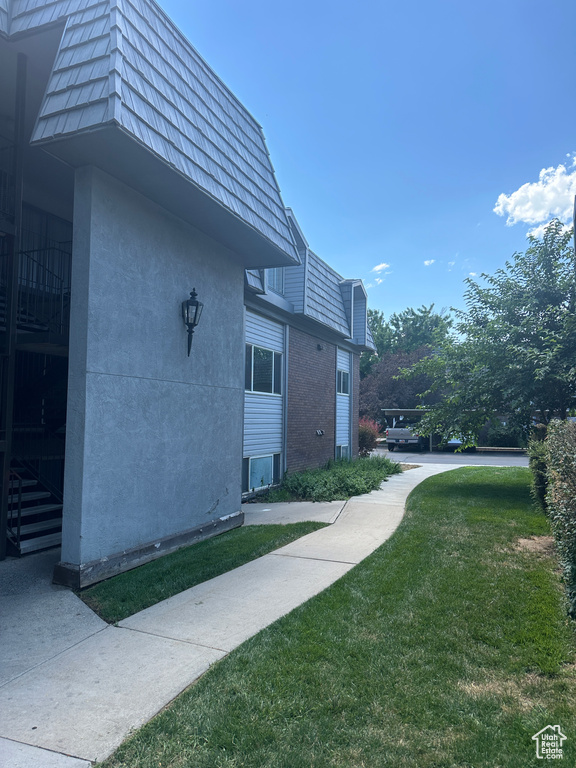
(311,401)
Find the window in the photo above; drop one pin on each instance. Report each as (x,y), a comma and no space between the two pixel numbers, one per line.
(275,279)
(343,382)
(263,372)
(260,472)
(342,452)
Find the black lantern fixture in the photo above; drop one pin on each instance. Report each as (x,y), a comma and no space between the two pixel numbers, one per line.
(191,311)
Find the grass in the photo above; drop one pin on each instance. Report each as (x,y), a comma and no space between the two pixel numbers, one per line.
(130,592)
(449,647)
(337,480)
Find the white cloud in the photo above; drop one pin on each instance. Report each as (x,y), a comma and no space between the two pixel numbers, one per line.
(538,232)
(472,274)
(380,267)
(552,196)
(378,280)
(429,262)
(451,263)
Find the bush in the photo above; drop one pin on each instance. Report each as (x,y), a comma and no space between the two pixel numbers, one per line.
(338,480)
(504,436)
(537,454)
(368,432)
(561,498)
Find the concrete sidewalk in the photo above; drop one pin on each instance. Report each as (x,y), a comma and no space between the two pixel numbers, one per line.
(74,688)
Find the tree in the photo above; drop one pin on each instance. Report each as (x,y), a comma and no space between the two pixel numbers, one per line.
(514,350)
(413,329)
(382,336)
(407,331)
(385,388)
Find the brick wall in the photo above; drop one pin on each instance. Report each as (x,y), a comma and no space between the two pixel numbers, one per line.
(311,401)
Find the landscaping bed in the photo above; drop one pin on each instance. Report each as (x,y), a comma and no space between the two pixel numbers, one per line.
(337,480)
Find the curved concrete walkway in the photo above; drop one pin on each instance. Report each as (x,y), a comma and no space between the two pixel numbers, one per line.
(75,687)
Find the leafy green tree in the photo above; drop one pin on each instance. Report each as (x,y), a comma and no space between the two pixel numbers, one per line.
(406,331)
(514,350)
(382,336)
(385,388)
(413,329)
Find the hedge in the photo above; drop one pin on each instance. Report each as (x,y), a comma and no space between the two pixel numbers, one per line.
(561,498)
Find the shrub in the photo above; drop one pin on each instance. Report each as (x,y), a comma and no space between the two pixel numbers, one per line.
(537,454)
(338,480)
(368,432)
(561,498)
(505,436)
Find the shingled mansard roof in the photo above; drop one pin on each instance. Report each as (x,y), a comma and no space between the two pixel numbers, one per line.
(316,291)
(124,64)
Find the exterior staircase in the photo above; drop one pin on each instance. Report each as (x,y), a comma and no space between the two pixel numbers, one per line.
(25,321)
(34,514)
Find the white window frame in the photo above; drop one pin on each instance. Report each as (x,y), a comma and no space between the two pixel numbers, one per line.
(340,374)
(275,355)
(274,480)
(343,451)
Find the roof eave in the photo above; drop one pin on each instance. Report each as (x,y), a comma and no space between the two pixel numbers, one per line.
(116,152)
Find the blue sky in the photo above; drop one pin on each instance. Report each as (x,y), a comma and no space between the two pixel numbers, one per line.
(396,129)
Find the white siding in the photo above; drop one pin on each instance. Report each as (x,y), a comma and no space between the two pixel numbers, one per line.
(264,332)
(343,360)
(342,420)
(263,413)
(343,403)
(262,424)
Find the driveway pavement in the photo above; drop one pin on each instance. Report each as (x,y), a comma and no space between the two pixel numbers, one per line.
(476,459)
(74,688)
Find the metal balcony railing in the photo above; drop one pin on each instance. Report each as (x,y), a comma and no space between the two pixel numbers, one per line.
(43,292)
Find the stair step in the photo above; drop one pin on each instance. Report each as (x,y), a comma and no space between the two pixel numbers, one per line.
(42,542)
(25,483)
(39,510)
(44,525)
(30,496)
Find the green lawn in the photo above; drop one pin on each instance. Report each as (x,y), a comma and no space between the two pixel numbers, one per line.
(449,647)
(130,592)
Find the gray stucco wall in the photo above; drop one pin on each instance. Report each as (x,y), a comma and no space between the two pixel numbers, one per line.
(154,438)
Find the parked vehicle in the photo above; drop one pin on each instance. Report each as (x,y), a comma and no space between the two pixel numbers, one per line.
(404,436)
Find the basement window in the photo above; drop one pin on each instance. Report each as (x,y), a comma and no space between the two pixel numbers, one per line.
(260,472)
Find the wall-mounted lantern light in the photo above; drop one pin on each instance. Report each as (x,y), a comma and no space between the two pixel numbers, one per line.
(191,311)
